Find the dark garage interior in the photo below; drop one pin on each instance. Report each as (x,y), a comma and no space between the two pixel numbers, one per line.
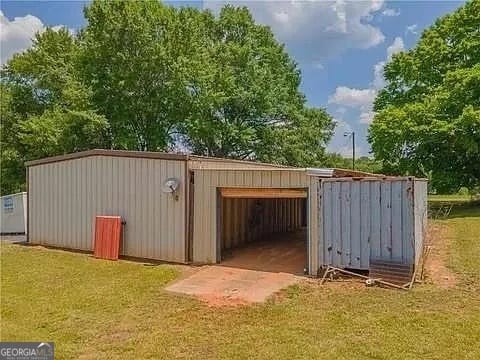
(264,233)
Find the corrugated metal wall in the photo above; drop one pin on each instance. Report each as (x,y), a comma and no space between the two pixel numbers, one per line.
(421,215)
(247,220)
(65,196)
(207,203)
(363,219)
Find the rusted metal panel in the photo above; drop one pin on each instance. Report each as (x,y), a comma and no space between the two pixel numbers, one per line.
(394,272)
(107,237)
(65,196)
(369,219)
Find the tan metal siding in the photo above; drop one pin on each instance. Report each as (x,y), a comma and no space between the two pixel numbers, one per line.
(205,200)
(65,196)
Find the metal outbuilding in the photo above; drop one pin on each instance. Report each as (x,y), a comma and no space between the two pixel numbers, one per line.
(14,214)
(344,218)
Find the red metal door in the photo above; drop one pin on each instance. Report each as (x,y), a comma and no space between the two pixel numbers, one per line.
(107,237)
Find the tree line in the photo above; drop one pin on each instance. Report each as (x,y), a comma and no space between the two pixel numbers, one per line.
(145,76)
(428,115)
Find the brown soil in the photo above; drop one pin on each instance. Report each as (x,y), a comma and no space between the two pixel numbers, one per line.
(436,271)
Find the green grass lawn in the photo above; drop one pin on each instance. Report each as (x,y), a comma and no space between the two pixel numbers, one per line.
(95,309)
(449,198)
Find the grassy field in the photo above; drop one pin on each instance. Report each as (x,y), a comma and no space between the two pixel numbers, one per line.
(449,198)
(96,309)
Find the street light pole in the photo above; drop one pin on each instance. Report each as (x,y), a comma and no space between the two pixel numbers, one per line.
(352,135)
(353,150)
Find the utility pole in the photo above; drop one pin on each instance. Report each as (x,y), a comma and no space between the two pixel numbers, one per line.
(352,135)
(353,150)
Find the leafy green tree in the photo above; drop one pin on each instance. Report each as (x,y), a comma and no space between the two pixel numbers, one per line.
(133,56)
(247,86)
(186,79)
(45,109)
(145,76)
(363,163)
(298,141)
(428,115)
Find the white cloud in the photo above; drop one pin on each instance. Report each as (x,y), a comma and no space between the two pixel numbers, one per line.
(16,35)
(390,12)
(397,46)
(281,17)
(316,30)
(412,29)
(354,98)
(342,144)
(378,79)
(366,117)
(362,99)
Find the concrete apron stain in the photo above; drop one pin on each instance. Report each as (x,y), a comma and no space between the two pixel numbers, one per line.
(224,286)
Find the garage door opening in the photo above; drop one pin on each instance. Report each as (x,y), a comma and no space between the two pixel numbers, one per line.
(263,229)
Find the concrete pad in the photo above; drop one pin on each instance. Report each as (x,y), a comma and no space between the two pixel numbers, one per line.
(220,285)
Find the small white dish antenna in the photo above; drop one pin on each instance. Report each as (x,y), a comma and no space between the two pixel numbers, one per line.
(170,186)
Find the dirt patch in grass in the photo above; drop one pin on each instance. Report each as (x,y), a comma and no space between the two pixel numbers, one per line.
(438,239)
(223,301)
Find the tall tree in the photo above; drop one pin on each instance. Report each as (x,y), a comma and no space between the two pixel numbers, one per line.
(132,59)
(45,109)
(428,115)
(247,85)
(186,79)
(146,76)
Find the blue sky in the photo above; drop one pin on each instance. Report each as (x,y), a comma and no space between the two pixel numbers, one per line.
(340,46)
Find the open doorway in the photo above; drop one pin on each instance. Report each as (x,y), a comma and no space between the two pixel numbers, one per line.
(263,229)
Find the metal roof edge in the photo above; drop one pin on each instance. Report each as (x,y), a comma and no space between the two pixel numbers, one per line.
(320,172)
(371,178)
(103,152)
(192,158)
(251,168)
(17,193)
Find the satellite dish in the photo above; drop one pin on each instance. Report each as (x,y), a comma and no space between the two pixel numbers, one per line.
(170,186)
